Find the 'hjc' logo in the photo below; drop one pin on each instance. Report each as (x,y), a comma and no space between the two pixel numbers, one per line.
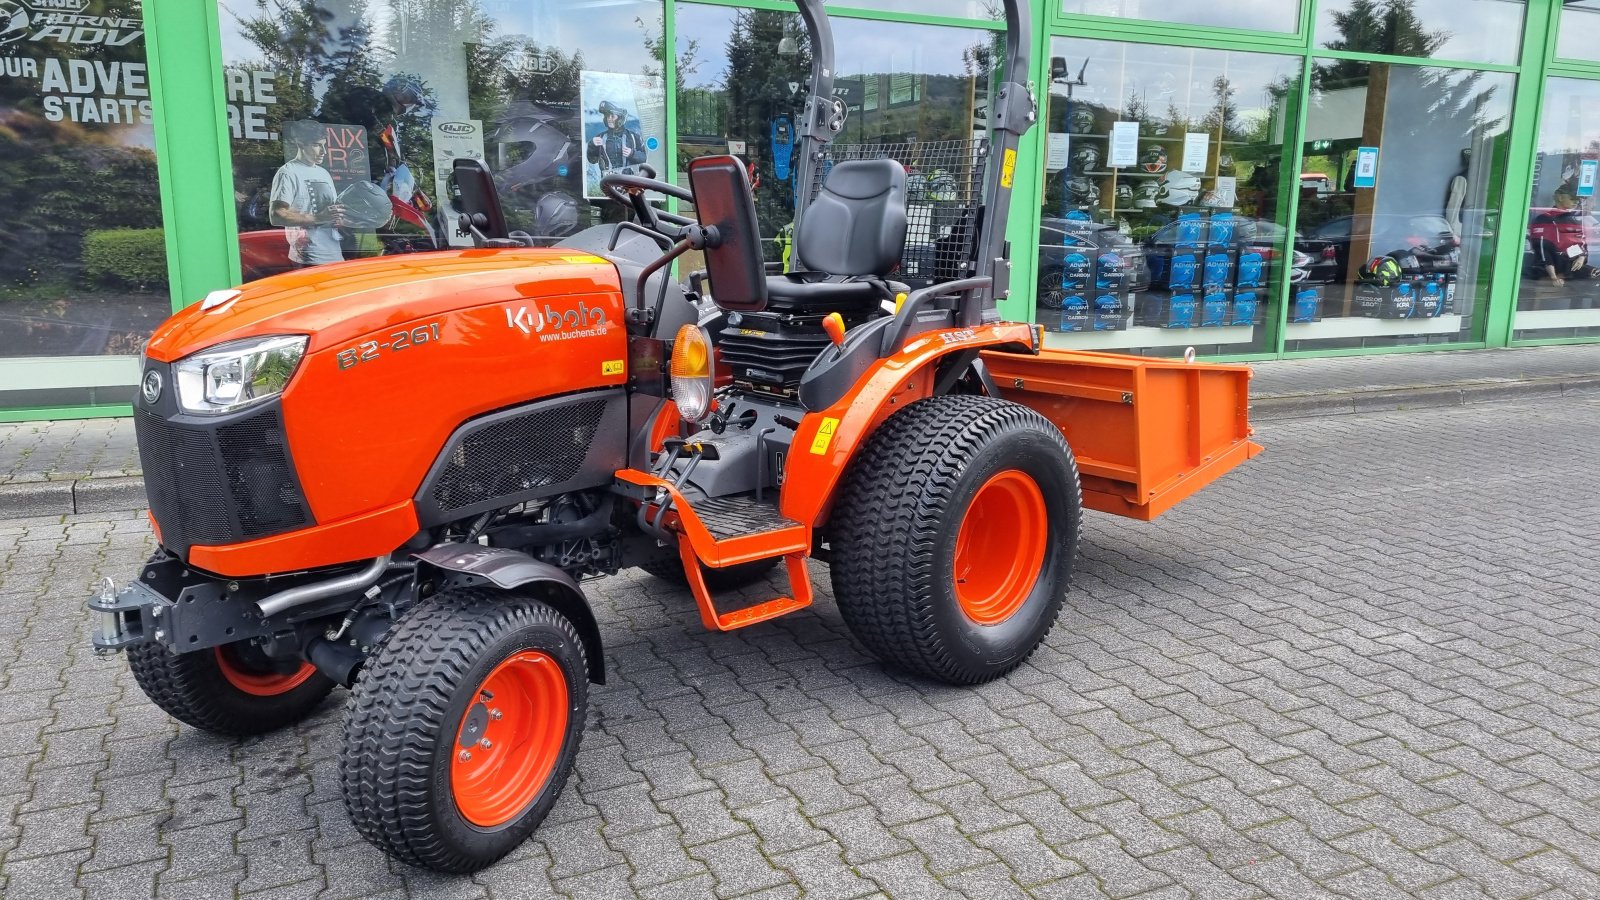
(532,322)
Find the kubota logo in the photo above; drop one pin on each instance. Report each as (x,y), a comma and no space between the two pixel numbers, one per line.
(456,128)
(552,324)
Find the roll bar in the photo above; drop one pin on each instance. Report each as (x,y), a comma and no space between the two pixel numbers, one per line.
(1014,111)
(821,119)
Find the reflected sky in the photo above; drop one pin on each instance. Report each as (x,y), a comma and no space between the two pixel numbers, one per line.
(1470,30)
(1261,15)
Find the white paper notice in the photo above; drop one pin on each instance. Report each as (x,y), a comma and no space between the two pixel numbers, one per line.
(1124,144)
(1196,150)
(1058,153)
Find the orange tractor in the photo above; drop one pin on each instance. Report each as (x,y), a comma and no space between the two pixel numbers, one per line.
(395,474)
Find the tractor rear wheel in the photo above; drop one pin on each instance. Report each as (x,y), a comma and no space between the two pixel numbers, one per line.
(954,537)
(234,690)
(463,728)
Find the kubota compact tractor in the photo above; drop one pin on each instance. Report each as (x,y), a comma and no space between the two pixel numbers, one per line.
(394,474)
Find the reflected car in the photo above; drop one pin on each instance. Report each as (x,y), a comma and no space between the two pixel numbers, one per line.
(1059,237)
(1311,261)
(1424,238)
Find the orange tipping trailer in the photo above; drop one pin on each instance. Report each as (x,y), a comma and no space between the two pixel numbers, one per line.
(1146,432)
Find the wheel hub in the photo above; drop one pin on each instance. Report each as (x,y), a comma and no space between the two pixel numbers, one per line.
(1000,547)
(508,751)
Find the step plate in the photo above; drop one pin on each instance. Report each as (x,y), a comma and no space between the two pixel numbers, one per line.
(731,517)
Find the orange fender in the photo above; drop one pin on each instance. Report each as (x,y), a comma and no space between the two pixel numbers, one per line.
(827,440)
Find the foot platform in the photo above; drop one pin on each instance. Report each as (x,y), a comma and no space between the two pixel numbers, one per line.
(722,532)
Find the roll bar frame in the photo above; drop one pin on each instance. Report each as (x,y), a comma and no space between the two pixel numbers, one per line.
(1014,111)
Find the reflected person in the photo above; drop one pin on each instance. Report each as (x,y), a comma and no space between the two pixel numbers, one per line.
(303,198)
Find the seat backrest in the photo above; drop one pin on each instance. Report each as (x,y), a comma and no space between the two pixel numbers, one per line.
(857,223)
(734,263)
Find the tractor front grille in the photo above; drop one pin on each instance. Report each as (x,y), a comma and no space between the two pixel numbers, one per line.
(523,453)
(219,483)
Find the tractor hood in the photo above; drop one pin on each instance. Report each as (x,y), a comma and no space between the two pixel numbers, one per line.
(337,303)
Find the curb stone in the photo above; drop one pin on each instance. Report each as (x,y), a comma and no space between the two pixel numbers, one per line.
(1305,406)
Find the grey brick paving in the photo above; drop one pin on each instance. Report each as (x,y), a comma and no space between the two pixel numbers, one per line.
(1367,666)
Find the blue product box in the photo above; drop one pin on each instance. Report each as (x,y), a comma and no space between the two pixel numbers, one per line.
(1252,269)
(1077,271)
(1183,272)
(1180,311)
(1307,306)
(1223,229)
(1246,308)
(1111,312)
(1216,309)
(1191,232)
(1075,314)
(1111,272)
(1219,268)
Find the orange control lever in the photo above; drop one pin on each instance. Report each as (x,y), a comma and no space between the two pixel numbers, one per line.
(833,324)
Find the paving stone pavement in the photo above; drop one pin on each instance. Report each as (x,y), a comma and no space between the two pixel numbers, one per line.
(1367,665)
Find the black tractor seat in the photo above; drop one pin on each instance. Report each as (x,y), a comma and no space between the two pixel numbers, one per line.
(849,239)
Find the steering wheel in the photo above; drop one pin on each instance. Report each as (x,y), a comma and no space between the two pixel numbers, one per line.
(629,190)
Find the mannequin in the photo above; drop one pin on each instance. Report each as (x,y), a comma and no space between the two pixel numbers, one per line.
(1456,195)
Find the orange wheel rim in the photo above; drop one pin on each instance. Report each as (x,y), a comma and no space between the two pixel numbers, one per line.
(260,683)
(509,739)
(1000,547)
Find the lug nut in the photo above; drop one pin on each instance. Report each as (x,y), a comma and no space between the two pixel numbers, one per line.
(485,744)
(466,756)
(496,714)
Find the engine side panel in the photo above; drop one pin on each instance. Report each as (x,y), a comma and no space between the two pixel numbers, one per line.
(367,417)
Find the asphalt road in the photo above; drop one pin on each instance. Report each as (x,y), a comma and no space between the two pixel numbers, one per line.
(1367,664)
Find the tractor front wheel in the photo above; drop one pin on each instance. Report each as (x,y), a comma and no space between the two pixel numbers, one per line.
(954,537)
(234,690)
(463,728)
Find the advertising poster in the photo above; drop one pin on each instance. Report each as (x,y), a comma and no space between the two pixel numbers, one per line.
(347,160)
(90,278)
(453,140)
(624,126)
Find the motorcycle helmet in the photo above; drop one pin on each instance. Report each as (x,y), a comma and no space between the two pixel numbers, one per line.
(1086,159)
(1082,191)
(366,205)
(555,214)
(607,108)
(403,91)
(1124,194)
(1179,188)
(1153,159)
(1225,163)
(1081,120)
(530,148)
(1146,194)
(1381,270)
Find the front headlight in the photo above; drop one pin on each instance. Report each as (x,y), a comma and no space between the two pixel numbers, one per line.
(237,374)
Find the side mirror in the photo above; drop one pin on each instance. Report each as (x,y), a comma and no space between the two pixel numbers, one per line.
(727,210)
(1058,68)
(480,202)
